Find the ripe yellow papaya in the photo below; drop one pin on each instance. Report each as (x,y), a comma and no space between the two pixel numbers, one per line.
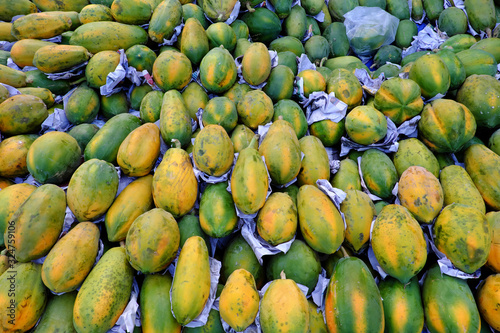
(255,108)
(315,164)
(71,259)
(256,64)
(213,151)
(40,25)
(493,262)
(134,12)
(64,5)
(12,77)
(277,220)
(14,151)
(9,9)
(358,211)
(23,51)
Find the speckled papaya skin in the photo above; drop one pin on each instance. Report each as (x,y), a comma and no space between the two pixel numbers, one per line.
(14,151)
(358,211)
(35,226)
(30,298)
(104,294)
(175,122)
(71,259)
(191,285)
(40,26)
(58,58)
(217,213)
(213,151)
(494,256)
(23,51)
(22,114)
(139,151)
(458,187)
(277,220)
(315,164)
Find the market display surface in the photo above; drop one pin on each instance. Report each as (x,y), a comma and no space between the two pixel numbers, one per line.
(249,166)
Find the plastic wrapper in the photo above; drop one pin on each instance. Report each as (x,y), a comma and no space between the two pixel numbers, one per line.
(388,145)
(116,77)
(369,28)
(322,106)
(259,246)
(74,71)
(55,39)
(363,184)
(201,320)
(130,316)
(427,39)
(56,121)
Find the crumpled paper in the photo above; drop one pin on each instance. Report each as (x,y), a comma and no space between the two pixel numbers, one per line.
(368,84)
(12,91)
(304,63)
(6,46)
(56,121)
(259,246)
(173,39)
(409,127)
(72,72)
(201,320)
(322,106)
(388,145)
(318,294)
(333,159)
(131,315)
(336,196)
(115,77)
(427,39)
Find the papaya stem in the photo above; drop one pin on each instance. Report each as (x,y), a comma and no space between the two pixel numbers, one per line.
(254,139)
(176,143)
(282,275)
(344,252)
(488,32)
(280,117)
(250,8)
(122,243)
(78,81)
(322,61)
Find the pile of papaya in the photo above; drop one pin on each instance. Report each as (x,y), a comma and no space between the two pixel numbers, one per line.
(235,166)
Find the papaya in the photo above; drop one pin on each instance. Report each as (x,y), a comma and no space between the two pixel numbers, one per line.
(36,217)
(4,183)
(12,77)
(479,93)
(195,97)
(175,122)
(12,197)
(345,86)
(217,213)
(315,164)
(83,133)
(256,64)
(114,104)
(463,234)
(421,193)
(38,79)
(239,300)
(417,10)
(220,111)
(134,12)
(141,58)
(175,187)
(277,220)
(264,25)
(458,43)
(99,66)
(217,70)
(139,151)
(458,187)
(21,7)
(328,131)
(53,157)
(83,105)
(347,177)
(241,47)
(95,13)
(488,298)
(404,35)
(191,284)
(218,11)
(431,74)
(280,84)
(448,136)
(359,211)
(40,25)
(154,230)
(239,254)
(172,70)
(14,151)
(433,9)
(71,259)
(300,264)
(255,108)
(284,307)
(352,301)
(240,29)
(337,39)
(108,36)
(221,34)
(412,152)
(293,113)
(338,8)
(92,189)
(481,14)
(494,142)
(399,9)
(287,43)
(455,67)
(453,21)
(195,11)
(241,138)
(312,80)
(27,304)
(379,173)
(478,62)
(405,255)
(45,94)
(213,325)
(106,143)
(403,310)
(365,125)
(154,301)
(194,41)
(71,14)
(249,180)
(135,200)
(104,293)
(213,151)
(490,45)
(65,5)
(59,58)
(23,51)
(448,303)
(387,53)
(58,315)
(316,319)
(150,109)
(236,92)
(165,18)
(323,231)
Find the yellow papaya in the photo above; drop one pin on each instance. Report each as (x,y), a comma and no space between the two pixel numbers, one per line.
(345,86)
(40,25)
(347,177)
(191,285)
(239,300)
(139,151)
(319,220)
(14,151)
(134,12)
(23,51)
(488,298)
(458,187)
(166,16)
(134,200)
(284,308)
(12,77)
(213,151)
(71,259)
(99,66)
(9,9)
(41,214)
(358,210)
(45,95)
(312,81)
(256,64)
(104,293)
(175,187)
(315,164)
(64,5)
(5,35)
(255,108)
(95,13)
(172,70)
(493,262)
(21,114)
(277,220)
(249,180)
(152,241)
(421,193)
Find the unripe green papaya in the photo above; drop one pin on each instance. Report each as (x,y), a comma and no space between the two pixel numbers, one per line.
(83,105)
